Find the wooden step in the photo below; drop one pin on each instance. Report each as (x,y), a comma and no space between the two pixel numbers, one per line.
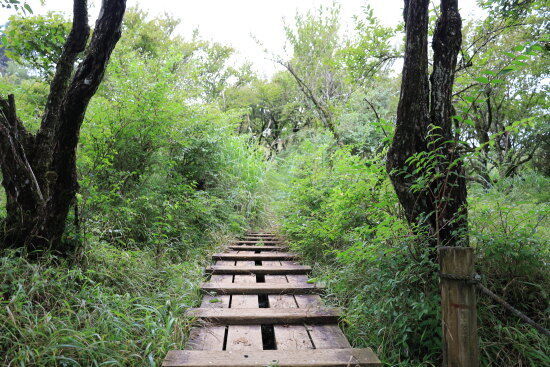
(258,239)
(281,358)
(256,248)
(267,242)
(254,257)
(261,288)
(260,236)
(270,270)
(262,316)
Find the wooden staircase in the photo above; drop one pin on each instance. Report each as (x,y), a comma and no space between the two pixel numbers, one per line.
(260,310)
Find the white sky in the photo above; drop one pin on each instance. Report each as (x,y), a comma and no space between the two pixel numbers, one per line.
(234,21)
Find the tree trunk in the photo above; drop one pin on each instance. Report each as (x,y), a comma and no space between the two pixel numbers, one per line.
(450,189)
(412,117)
(424,126)
(39,172)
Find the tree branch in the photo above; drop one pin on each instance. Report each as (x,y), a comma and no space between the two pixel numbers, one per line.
(75,44)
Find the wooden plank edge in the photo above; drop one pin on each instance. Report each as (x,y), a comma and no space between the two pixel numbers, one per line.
(254,316)
(257,248)
(245,257)
(349,357)
(262,288)
(265,270)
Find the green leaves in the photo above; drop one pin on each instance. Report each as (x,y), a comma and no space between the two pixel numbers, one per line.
(25,8)
(482,79)
(36,42)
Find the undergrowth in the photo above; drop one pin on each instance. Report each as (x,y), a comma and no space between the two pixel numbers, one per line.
(116,308)
(341,213)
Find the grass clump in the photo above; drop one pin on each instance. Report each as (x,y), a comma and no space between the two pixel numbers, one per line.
(117,308)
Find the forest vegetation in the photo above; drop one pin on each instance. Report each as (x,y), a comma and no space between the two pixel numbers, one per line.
(176,150)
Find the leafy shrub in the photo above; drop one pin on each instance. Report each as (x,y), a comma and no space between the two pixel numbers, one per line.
(340,211)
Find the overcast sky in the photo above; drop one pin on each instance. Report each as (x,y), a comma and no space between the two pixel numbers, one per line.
(234,21)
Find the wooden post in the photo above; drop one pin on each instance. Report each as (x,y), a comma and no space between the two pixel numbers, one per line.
(458,307)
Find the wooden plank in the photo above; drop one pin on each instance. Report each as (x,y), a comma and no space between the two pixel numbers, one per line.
(308,300)
(218,301)
(323,336)
(253,316)
(257,248)
(267,242)
(296,279)
(327,337)
(215,301)
(225,262)
(206,338)
(259,239)
(244,337)
(244,301)
(287,337)
(263,269)
(261,288)
(281,358)
(292,337)
(211,337)
(261,236)
(253,256)
(279,300)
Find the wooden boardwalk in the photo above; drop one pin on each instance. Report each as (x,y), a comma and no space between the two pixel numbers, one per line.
(260,310)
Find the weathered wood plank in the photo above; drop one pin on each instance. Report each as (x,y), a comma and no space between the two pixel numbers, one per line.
(220,301)
(279,300)
(261,288)
(327,337)
(282,358)
(211,337)
(458,308)
(263,269)
(267,242)
(241,256)
(287,337)
(296,279)
(308,300)
(292,337)
(323,336)
(253,316)
(256,248)
(244,337)
(206,338)
(215,301)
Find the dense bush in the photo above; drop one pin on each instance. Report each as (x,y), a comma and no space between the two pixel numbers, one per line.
(341,212)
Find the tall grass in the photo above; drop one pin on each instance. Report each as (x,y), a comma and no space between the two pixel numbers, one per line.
(116,308)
